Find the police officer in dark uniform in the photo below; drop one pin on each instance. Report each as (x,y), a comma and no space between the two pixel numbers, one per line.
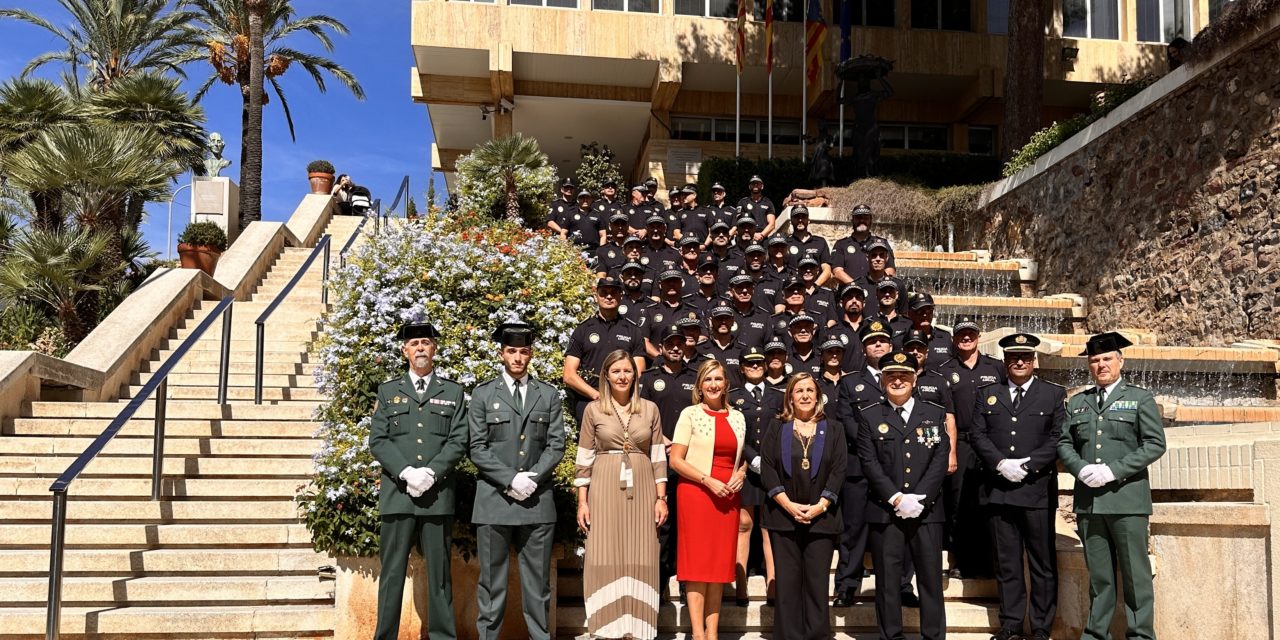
(802,244)
(751,322)
(1015,431)
(857,389)
(759,206)
(920,310)
(966,528)
(637,284)
(759,404)
(637,210)
(793,305)
(831,351)
(558,208)
(775,364)
(778,262)
(595,338)
(609,256)
(608,203)
(671,306)
(707,294)
(818,300)
(804,355)
(720,210)
(744,235)
(903,447)
(849,256)
(658,244)
(721,345)
(852,297)
(584,225)
(418,434)
(767,286)
(878,258)
(887,292)
(931,385)
(695,221)
(690,249)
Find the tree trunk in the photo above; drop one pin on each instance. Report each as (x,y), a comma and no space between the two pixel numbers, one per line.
(513,200)
(48,210)
(1024,77)
(251,169)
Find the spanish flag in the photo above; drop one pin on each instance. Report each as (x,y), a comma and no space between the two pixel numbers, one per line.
(768,37)
(815,36)
(745,9)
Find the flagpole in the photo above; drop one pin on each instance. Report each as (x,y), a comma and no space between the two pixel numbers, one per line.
(737,119)
(770,114)
(804,89)
(840,144)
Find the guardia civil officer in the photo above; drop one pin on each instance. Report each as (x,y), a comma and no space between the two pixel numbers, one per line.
(418,434)
(1113,434)
(903,447)
(592,340)
(517,439)
(1015,431)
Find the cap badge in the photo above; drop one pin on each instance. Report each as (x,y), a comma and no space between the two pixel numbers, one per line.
(1020,339)
(876,326)
(900,358)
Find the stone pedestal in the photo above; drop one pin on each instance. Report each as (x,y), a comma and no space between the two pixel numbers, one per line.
(216,200)
(356,598)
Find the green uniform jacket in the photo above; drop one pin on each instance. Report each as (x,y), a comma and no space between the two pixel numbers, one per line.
(1127,435)
(409,431)
(505,441)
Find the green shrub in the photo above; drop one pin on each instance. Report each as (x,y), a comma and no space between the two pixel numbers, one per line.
(780,176)
(466,275)
(320,166)
(597,167)
(21,325)
(204,234)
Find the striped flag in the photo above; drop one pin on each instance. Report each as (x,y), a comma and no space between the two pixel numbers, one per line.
(768,37)
(745,9)
(815,36)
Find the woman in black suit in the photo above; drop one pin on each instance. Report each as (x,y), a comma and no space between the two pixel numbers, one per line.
(802,469)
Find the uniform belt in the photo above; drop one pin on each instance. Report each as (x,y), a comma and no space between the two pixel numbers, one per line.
(962,435)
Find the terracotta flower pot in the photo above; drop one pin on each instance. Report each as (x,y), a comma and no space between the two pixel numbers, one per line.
(203,258)
(321,182)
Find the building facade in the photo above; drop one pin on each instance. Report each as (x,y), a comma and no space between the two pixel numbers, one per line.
(656,79)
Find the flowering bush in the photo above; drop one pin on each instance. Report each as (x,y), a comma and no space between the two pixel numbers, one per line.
(465,276)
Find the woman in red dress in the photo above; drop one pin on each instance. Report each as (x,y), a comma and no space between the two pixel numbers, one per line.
(706,451)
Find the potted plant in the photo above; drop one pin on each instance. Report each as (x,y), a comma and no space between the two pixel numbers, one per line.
(200,245)
(320,172)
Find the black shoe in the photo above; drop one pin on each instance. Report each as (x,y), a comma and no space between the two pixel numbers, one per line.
(954,574)
(843,599)
(742,602)
(909,599)
(768,602)
(1040,635)
(1007,634)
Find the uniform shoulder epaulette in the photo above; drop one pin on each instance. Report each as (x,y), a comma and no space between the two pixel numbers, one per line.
(391,380)
(930,402)
(989,384)
(868,405)
(1049,382)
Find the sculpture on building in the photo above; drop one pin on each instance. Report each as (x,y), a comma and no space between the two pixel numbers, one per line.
(867,73)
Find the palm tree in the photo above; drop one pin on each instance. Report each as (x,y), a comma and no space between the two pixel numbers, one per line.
(112,39)
(56,269)
(245,45)
(508,157)
(28,108)
(1024,80)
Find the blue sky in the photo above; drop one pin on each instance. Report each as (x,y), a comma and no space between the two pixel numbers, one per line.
(378,141)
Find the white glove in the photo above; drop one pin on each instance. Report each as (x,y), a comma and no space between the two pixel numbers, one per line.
(522,486)
(1011,469)
(1096,475)
(414,477)
(430,480)
(755,464)
(910,506)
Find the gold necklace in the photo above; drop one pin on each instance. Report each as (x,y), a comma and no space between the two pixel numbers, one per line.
(805,443)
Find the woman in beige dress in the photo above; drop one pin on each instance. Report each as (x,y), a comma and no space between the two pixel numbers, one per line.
(622,492)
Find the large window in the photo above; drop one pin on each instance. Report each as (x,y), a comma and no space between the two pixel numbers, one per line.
(951,15)
(1091,19)
(721,130)
(633,6)
(559,4)
(1164,20)
(872,13)
(783,10)
(998,16)
(982,140)
(914,136)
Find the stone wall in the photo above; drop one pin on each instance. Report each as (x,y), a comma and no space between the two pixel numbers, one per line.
(1169,219)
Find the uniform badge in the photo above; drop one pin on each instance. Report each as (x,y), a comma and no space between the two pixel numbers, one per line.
(844,338)
(876,326)
(1020,339)
(740,401)
(734,328)
(593,338)
(955,378)
(824,398)
(657,318)
(577,217)
(644,260)
(612,254)
(659,385)
(395,400)
(883,428)
(559,209)
(859,388)
(789,368)
(495,405)
(693,316)
(622,309)
(900,358)
(782,324)
(794,250)
(991,400)
(750,206)
(850,249)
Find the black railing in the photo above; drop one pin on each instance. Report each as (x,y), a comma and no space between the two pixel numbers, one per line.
(158,384)
(401,194)
(342,253)
(321,247)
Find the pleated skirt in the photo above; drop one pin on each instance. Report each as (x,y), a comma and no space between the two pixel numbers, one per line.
(620,570)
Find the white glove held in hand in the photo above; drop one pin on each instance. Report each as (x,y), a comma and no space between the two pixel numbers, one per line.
(415,479)
(755,464)
(522,486)
(1096,475)
(911,506)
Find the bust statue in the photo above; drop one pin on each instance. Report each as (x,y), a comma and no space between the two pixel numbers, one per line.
(214,163)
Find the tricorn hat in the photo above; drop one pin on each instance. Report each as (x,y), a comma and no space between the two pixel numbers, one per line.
(418,330)
(1105,343)
(514,334)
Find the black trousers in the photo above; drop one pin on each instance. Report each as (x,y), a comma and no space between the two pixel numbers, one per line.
(1015,529)
(667,538)
(853,541)
(967,533)
(891,545)
(802,562)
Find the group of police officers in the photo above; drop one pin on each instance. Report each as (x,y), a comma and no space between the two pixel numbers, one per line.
(679,284)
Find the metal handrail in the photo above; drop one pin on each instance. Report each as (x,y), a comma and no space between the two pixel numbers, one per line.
(159,382)
(321,247)
(404,189)
(342,253)
(377,215)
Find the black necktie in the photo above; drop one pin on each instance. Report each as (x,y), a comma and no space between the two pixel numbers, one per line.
(758,393)
(422,386)
(1102,397)
(1017,397)
(518,397)
(902,413)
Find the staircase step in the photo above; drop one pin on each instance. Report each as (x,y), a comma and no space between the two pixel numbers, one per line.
(183,392)
(56,445)
(172,428)
(210,365)
(212,357)
(961,616)
(260,622)
(149,591)
(175,409)
(233,380)
(569,586)
(155,535)
(213,342)
(151,512)
(195,466)
(136,561)
(177,487)
(280,327)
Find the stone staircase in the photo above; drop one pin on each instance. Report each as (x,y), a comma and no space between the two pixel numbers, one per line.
(223,553)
